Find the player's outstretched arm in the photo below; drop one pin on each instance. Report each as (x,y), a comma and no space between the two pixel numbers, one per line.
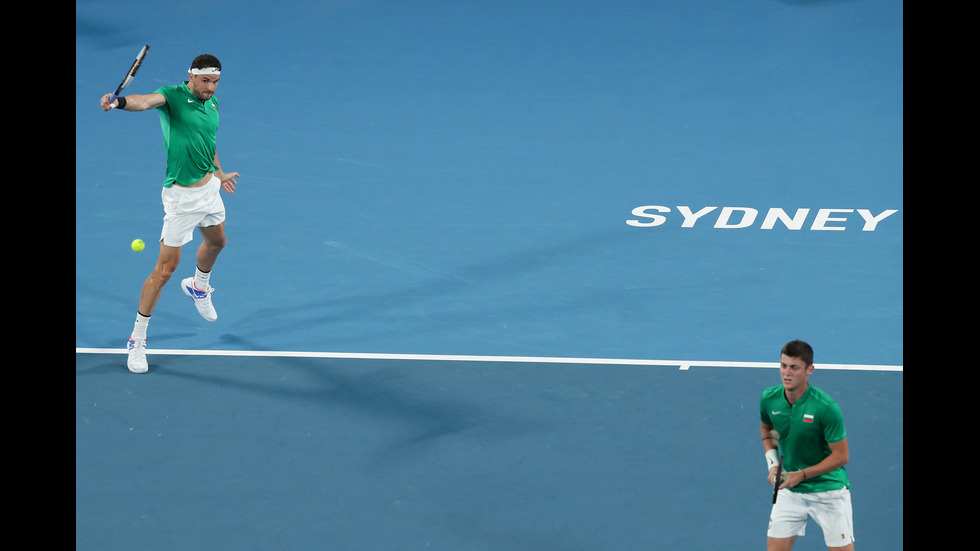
(133,102)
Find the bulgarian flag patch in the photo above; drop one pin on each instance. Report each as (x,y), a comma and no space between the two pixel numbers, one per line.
(807,418)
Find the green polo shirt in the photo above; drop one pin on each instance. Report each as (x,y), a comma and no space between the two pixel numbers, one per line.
(806,428)
(190,134)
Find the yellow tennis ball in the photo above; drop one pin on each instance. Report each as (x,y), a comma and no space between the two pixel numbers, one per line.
(138,245)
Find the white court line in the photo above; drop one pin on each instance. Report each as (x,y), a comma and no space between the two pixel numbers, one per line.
(683,365)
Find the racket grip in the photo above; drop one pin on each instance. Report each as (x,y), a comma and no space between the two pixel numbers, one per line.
(112,98)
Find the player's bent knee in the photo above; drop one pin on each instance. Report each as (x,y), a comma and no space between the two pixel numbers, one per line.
(780,544)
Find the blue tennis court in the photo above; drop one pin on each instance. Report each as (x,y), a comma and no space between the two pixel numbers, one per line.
(501,275)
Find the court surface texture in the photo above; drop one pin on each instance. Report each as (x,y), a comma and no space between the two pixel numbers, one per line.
(500,275)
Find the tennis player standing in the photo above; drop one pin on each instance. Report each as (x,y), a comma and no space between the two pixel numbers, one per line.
(191,198)
(809,431)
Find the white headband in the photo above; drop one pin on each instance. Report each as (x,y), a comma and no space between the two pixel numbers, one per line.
(205,71)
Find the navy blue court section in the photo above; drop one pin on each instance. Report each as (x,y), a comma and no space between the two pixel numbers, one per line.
(695,181)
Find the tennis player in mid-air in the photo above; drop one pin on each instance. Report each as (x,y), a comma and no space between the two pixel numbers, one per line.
(807,426)
(191,191)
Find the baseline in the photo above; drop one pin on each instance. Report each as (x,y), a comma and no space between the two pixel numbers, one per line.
(683,365)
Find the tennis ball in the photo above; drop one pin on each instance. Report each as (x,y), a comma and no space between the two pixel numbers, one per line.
(138,245)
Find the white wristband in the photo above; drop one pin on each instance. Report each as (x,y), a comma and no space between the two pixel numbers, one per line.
(772,458)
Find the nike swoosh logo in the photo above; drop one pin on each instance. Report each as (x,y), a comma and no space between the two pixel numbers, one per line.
(774,412)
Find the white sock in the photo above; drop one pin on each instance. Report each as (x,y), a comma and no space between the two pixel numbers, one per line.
(139,329)
(201,279)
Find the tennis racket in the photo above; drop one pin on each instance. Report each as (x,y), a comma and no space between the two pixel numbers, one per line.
(779,476)
(130,74)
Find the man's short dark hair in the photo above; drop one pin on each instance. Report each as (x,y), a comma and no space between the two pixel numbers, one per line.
(205,60)
(799,349)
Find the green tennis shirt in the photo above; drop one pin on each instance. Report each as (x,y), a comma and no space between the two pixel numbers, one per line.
(190,134)
(806,428)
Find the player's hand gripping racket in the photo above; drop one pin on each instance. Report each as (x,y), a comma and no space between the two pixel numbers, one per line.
(130,74)
(779,476)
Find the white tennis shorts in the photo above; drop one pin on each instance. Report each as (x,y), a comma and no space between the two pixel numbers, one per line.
(830,510)
(187,208)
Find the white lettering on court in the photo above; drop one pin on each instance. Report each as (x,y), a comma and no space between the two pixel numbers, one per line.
(649,216)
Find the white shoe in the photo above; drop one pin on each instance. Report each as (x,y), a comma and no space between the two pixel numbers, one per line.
(202,299)
(137,356)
